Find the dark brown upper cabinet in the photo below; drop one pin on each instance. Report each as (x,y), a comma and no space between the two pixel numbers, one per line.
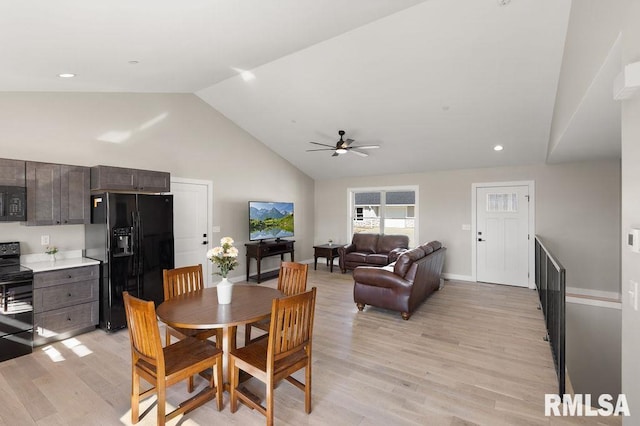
(57,194)
(12,172)
(108,178)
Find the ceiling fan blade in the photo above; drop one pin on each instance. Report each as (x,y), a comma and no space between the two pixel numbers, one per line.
(335,154)
(366,146)
(323,144)
(347,142)
(360,153)
(321,149)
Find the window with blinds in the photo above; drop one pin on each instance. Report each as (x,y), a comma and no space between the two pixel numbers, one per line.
(502,203)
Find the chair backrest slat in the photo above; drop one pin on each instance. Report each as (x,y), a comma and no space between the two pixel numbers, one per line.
(143,330)
(291,325)
(182,280)
(292,278)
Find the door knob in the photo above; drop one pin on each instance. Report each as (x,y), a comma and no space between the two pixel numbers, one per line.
(204,243)
(480,239)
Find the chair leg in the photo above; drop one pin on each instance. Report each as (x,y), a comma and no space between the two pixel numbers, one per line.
(269,401)
(135,397)
(162,402)
(247,334)
(307,388)
(233,396)
(218,382)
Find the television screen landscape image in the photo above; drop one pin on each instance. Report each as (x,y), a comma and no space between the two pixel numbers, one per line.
(268,220)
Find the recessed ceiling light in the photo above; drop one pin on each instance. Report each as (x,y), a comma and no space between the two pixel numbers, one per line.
(498,148)
(66,75)
(247,75)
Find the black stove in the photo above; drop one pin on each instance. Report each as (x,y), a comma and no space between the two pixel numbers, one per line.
(16,304)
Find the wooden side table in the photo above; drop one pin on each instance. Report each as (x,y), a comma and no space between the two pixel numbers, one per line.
(328,251)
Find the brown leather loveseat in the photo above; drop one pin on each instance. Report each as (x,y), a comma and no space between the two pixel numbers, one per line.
(371,250)
(403,285)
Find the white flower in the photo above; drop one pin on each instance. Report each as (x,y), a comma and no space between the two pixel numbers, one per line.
(224,256)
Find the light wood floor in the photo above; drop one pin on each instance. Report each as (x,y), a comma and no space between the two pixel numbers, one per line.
(472,354)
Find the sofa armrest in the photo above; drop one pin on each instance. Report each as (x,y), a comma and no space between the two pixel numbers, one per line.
(379,277)
(395,253)
(348,248)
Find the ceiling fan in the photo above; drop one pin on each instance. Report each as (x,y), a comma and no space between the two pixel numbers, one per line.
(343,146)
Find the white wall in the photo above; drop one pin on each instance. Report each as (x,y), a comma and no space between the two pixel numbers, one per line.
(577,214)
(178,133)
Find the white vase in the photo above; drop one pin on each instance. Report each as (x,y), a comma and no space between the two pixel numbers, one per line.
(225,290)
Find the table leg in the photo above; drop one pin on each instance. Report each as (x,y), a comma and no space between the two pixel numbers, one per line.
(331,265)
(228,343)
(315,262)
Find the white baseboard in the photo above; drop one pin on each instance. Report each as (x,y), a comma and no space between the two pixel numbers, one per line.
(614,295)
(598,298)
(456,277)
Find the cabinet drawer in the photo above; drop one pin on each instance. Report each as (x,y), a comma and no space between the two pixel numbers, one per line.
(51,324)
(65,276)
(60,296)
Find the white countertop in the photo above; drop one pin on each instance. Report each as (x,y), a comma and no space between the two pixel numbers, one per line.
(42,262)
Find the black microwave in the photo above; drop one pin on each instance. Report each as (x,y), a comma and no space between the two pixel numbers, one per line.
(13,204)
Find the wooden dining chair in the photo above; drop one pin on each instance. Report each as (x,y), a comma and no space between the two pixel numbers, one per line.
(276,356)
(292,279)
(163,367)
(184,280)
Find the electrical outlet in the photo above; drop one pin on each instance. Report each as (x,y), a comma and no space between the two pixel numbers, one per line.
(44,240)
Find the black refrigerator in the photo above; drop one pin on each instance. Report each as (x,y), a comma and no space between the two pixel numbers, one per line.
(132,236)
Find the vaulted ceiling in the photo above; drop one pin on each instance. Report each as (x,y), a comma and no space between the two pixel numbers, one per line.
(436,83)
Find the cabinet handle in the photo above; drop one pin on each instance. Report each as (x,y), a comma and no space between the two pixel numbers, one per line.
(68,319)
(69,294)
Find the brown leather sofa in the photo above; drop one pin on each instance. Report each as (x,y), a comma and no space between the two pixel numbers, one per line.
(403,285)
(371,250)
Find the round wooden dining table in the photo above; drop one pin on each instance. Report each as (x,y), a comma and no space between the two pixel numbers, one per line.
(200,310)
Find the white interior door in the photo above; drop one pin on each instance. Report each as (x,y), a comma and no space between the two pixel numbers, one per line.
(190,224)
(502,235)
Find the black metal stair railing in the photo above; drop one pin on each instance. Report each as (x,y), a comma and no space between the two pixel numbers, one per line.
(550,282)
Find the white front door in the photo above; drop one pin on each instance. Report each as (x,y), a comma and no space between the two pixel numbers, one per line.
(190,224)
(502,234)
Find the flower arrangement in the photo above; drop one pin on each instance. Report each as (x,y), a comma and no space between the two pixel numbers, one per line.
(51,250)
(225,256)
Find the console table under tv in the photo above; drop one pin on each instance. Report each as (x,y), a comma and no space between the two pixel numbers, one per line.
(260,250)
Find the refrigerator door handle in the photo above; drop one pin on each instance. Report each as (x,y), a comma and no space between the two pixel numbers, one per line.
(139,242)
(135,247)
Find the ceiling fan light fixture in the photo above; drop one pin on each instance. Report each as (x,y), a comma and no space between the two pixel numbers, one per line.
(341,151)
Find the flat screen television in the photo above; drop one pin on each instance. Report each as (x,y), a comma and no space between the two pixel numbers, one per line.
(269,220)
